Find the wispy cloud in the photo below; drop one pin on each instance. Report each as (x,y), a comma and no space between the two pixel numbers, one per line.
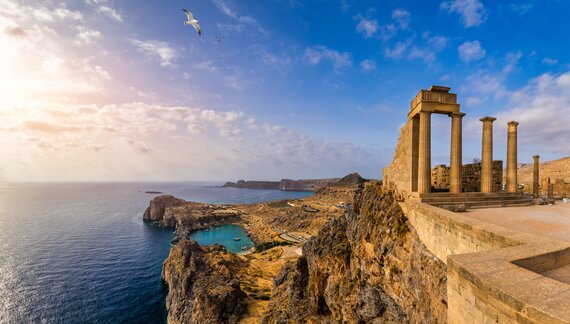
(367,27)
(227,9)
(549,61)
(402,18)
(161,51)
(103,7)
(471,51)
(367,66)
(319,53)
(472,12)
(86,35)
(370,27)
(144,141)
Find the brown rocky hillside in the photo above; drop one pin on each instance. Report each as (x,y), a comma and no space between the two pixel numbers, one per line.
(556,169)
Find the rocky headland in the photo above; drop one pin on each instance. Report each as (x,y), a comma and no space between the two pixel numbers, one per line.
(352,258)
(295,185)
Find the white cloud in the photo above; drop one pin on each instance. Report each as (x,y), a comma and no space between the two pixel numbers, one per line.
(319,53)
(103,7)
(543,109)
(471,51)
(367,66)
(368,27)
(472,12)
(484,84)
(47,14)
(86,35)
(398,50)
(138,141)
(159,50)
(511,59)
(402,18)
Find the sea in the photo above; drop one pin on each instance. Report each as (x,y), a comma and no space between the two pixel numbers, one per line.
(81,253)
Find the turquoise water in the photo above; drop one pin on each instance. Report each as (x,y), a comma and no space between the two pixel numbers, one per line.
(80,252)
(225,236)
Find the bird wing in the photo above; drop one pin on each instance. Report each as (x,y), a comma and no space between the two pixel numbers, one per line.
(189,14)
(196,26)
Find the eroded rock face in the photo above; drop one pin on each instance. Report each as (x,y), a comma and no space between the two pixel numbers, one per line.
(368,266)
(202,284)
(157,207)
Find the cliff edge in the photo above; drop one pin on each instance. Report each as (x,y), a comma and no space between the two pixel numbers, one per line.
(368,266)
(202,284)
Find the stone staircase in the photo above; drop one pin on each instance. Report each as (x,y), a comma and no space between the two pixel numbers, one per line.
(475,199)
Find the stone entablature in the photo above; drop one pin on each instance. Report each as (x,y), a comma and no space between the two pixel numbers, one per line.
(436,100)
(471,179)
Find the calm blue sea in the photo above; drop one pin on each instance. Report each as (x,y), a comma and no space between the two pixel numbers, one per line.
(80,252)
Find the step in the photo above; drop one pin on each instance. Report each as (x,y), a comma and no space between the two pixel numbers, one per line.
(488,203)
(429,200)
(469,194)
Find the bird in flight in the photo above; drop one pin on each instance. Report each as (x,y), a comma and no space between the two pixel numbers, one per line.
(219,38)
(193,22)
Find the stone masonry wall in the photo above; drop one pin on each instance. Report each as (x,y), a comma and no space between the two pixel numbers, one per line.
(561,187)
(471,177)
(398,175)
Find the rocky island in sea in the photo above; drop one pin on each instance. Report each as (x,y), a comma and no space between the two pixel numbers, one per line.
(315,259)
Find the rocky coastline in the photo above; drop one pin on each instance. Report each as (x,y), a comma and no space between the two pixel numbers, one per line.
(358,261)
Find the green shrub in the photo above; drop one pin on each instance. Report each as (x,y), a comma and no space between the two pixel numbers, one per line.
(268,245)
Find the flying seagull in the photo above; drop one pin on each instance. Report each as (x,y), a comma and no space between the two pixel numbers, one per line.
(192,21)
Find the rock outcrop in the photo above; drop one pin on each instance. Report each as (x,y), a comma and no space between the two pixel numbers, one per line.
(187,216)
(202,284)
(157,207)
(368,266)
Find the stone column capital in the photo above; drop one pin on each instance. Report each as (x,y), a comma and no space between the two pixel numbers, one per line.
(536,157)
(513,123)
(457,115)
(488,119)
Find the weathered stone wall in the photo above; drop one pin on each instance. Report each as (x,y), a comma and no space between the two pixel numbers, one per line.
(494,275)
(398,175)
(560,186)
(446,233)
(471,176)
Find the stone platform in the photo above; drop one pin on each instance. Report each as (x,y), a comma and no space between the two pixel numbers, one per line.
(474,200)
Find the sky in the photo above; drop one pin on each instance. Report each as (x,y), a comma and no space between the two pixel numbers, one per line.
(122,90)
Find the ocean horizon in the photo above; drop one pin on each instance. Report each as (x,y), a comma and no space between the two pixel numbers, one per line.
(80,252)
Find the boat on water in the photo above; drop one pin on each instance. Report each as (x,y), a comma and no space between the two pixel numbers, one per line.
(243,248)
(237,239)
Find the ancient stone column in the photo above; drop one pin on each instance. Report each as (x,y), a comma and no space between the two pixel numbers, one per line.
(424,154)
(487,184)
(512,182)
(535,187)
(456,157)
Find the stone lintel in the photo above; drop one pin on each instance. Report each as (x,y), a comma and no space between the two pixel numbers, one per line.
(436,88)
(488,119)
(437,100)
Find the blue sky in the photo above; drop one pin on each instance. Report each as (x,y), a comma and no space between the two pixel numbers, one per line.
(122,90)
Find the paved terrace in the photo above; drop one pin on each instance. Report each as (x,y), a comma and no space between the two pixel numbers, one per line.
(551,221)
